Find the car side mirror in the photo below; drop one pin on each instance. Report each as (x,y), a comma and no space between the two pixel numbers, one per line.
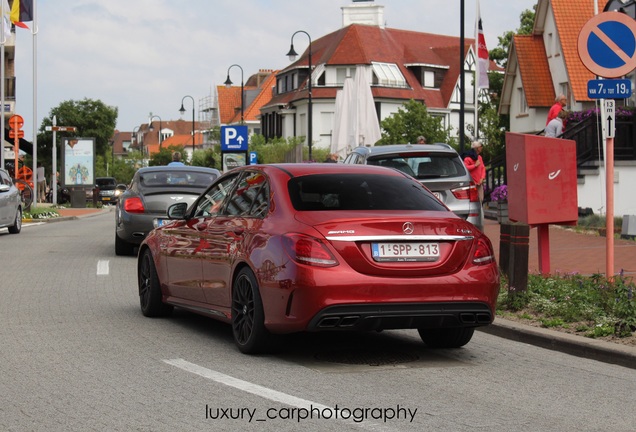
(178,210)
(4,187)
(121,187)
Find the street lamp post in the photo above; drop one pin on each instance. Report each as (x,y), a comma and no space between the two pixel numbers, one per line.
(182,111)
(150,128)
(134,136)
(228,83)
(292,56)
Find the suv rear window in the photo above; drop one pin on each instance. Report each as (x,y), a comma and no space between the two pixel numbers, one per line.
(423,166)
(360,192)
(176,178)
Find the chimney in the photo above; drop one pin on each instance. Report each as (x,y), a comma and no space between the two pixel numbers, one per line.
(364,12)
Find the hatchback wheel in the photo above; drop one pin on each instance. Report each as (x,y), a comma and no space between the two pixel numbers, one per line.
(149,289)
(248,318)
(17,224)
(446,337)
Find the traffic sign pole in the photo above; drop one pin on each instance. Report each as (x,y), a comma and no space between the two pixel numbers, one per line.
(607,48)
(609,121)
(55,128)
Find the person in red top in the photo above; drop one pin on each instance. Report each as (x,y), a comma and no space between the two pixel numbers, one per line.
(475,165)
(559,103)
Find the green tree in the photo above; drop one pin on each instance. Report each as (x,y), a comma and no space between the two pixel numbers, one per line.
(411,121)
(500,53)
(210,157)
(92,118)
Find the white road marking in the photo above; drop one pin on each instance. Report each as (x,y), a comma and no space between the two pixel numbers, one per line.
(267,393)
(103,267)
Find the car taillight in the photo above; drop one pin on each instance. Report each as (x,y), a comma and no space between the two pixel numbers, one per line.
(469,193)
(134,205)
(308,250)
(484,253)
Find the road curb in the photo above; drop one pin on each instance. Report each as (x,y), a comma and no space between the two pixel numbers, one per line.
(579,346)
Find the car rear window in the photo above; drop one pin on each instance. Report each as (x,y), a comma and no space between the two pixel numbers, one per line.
(423,166)
(161,179)
(360,192)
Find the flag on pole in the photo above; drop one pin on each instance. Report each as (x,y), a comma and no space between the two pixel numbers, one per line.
(21,12)
(482,53)
(6,10)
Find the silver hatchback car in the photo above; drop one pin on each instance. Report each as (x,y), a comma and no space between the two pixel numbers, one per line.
(436,166)
(10,204)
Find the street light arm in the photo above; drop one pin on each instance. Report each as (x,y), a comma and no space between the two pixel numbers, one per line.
(182,111)
(160,128)
(292,55)
(228,83)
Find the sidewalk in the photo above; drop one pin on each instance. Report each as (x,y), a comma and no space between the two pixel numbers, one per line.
(572,252)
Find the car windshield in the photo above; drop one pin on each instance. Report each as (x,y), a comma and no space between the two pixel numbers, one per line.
(106,182)
(423,166)
(360,192)
(161,179)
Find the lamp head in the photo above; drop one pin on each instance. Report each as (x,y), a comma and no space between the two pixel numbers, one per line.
(228,81)
(182,109)
(292,53)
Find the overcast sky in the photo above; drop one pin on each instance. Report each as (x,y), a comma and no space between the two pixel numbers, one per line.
(143,56)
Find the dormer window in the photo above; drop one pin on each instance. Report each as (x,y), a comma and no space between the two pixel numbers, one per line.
(388,75)
(429,79)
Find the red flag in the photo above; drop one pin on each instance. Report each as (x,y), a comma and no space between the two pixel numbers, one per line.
(482,54)
(21,12)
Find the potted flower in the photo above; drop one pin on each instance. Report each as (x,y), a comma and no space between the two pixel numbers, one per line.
(500,196)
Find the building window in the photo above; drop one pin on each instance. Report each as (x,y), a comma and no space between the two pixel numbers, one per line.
(344,72)
(564,89)
(429,79)
(523,103)
(388,75)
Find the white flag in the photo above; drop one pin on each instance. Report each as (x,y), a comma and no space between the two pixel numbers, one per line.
(483,61)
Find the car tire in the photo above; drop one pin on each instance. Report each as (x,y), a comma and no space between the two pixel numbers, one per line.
(17,224)
(149,289)
(122,247)
(446,337)
(248,318)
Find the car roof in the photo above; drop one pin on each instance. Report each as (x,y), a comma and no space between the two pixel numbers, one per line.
(177,168)
(404,148)
(299,169)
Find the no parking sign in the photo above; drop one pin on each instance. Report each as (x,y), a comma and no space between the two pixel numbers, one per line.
(607,44)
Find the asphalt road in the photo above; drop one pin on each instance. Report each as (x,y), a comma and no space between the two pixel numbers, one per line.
(77,355)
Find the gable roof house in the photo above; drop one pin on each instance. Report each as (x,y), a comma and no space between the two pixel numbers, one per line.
(401,65)
(543,65)
(257,91)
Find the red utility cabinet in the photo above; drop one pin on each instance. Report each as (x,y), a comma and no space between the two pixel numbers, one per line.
(542,185)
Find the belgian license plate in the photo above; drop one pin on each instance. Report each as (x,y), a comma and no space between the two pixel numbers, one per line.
(105,199)
(405,252)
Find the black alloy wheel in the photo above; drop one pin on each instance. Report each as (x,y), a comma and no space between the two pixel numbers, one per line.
(149,288)
(248,318)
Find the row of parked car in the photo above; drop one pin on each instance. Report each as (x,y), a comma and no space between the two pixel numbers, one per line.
(390,239)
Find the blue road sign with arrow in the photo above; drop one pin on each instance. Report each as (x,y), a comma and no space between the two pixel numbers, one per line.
(234,138)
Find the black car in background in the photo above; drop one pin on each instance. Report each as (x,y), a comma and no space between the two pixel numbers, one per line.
(108,191)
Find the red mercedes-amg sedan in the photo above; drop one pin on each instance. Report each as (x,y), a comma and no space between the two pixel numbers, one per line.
(285,248)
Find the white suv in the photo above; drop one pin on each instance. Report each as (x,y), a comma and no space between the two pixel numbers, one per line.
(436,166)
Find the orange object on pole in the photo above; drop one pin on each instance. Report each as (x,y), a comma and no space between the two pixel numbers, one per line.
(15,123)
(609,223)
